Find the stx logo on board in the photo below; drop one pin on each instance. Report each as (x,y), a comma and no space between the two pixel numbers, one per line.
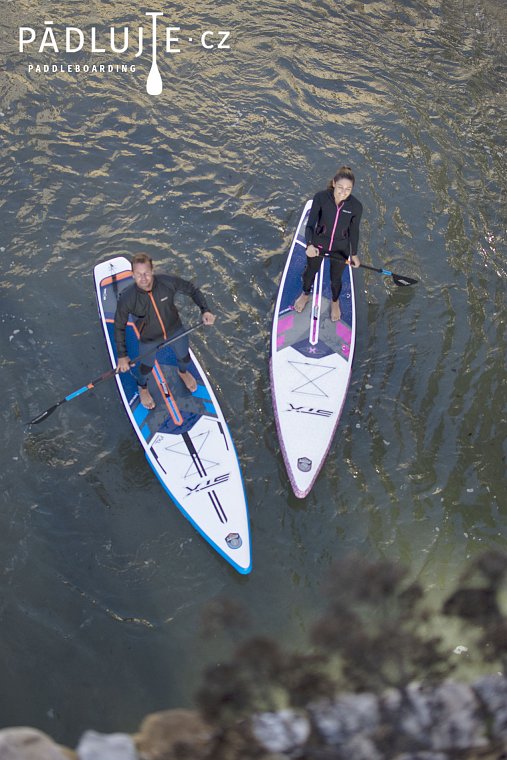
(309,410)
(209,483)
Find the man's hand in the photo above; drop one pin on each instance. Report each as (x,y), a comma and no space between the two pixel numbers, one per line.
(355,261)
(312,251)
(208,318)
(123,364)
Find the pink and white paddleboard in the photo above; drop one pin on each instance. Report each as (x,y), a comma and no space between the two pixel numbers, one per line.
(311,364)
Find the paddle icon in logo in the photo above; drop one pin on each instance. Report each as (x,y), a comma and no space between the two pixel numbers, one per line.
(154,81)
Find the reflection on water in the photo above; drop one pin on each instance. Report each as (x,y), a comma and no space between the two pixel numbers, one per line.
(101,575)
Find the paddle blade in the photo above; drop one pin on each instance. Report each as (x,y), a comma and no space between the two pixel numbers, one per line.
(42,416)
(402,280)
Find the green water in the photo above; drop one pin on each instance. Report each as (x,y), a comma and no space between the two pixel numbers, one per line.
(103,582)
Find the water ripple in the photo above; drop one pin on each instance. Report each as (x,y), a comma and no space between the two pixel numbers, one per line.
(210,178)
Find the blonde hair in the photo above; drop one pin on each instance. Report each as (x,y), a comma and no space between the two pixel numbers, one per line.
(141,258)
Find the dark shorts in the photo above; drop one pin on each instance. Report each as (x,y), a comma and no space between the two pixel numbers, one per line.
(180,348)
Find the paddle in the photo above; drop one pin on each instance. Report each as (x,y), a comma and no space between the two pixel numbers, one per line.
(107,375)
(398,279)
(154,82)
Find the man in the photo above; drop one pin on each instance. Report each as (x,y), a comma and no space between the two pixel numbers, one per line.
(332,228)
(151,299)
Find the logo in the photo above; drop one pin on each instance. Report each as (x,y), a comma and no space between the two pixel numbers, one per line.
(304,464)
(234,541)
(309,410)
(205,484)
(127,42)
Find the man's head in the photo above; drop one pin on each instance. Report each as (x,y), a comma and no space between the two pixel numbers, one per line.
(142,271)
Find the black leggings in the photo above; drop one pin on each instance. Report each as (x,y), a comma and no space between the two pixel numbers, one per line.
(313,265)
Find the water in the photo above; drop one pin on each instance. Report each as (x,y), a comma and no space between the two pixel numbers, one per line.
(103,582)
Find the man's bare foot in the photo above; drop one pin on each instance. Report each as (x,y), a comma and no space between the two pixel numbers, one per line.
(300,302)
(189,380)
(146,398)
(335,311)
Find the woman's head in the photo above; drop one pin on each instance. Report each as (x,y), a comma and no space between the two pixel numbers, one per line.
(342,183)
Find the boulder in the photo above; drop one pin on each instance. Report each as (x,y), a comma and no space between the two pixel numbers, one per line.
(283,731)
(24,743)
(422,756)
(492,691)
(169,734)
(359,748)
(442,718)
(339,720)
(95,746)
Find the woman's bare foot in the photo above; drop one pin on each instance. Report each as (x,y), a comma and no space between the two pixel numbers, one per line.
(335,311)
(146,398)
(189,380)
(300,302)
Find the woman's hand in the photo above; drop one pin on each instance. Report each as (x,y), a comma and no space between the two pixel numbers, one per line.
(208,318)
(312,251)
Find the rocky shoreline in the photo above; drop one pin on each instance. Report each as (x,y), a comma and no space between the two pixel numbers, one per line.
(450,721)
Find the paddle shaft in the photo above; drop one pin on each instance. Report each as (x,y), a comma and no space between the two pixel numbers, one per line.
(376,269)
(108,375)
(364,266)
(399,279)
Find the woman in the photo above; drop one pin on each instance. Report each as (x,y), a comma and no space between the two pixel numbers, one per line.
(332,228)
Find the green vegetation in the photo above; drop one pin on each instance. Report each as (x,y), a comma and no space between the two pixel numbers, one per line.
(376,632)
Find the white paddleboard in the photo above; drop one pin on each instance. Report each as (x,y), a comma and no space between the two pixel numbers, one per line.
(311,363)
(185,438)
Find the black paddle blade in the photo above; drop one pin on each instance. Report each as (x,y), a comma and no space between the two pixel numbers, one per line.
(42,416)
(403,281)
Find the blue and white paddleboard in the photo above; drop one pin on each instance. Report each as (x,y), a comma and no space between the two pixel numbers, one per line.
(185,438)
(311,363)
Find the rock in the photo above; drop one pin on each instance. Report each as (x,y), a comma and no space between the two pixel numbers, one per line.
(339,720)
(359,748)
(445,717)
(283,731)
(95,746)
(422,756)
(492,691)
(29,744)
(168,735)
